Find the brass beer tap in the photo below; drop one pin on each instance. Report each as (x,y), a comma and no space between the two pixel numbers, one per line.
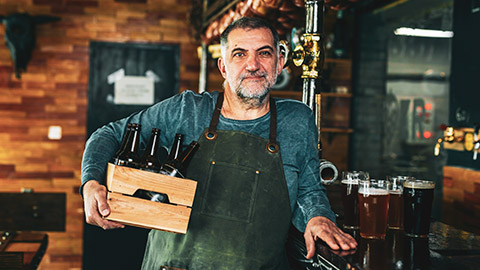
(461,139)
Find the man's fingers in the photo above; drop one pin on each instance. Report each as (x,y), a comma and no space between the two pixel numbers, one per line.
(341,240)
(96,206)
(107,225)
(331,240)
(350,241)
(325,229)
(310,244)
(103,207)
(345,243)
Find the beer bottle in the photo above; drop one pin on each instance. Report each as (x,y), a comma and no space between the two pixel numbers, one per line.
(177,147)
(129,157)
(149,161)
(178,166)
(151,196)
(123,144)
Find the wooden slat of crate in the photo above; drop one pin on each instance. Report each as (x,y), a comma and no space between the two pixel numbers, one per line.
(127,180)
(147,214)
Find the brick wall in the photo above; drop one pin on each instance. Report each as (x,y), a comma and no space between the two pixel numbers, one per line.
(369,77)
(53,91)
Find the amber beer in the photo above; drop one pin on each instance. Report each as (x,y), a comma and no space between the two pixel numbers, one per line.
(395,210)
(418,199)
(373,205)
(350,203)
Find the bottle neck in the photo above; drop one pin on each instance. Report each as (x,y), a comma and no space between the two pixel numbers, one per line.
(152,147)
(177,166)
(135,139)
(177,147)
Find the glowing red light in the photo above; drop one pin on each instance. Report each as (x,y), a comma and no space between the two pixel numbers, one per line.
(428,106)
(427,134)
(418,134)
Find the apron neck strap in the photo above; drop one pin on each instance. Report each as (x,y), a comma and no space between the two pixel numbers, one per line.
(272,145)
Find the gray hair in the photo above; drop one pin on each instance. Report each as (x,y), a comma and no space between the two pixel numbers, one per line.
(248,23)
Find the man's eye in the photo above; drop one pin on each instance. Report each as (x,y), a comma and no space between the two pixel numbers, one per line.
(238,54)
(265,53)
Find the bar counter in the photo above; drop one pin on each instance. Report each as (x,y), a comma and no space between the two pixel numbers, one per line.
(445,248)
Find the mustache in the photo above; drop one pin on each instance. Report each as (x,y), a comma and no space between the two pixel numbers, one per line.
(253,74)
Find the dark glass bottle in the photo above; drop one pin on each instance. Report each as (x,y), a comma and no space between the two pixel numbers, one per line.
(178,166)
(172,167)
(123,144)
(129,157)
(177,147)
(151,196)
(149,161)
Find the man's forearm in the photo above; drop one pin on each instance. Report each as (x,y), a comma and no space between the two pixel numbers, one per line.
(99,150)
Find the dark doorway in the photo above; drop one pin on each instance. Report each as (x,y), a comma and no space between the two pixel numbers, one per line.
(156,64)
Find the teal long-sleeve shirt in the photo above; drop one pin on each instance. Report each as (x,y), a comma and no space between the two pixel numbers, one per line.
(189,113)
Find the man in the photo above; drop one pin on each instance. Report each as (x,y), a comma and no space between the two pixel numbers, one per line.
(247,193)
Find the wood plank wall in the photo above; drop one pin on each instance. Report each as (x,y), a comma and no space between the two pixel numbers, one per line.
(461,198)
(53,91)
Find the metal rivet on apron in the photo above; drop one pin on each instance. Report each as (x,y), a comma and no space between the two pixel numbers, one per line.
(257,172)
(213,162)
(210,135)
(272,147)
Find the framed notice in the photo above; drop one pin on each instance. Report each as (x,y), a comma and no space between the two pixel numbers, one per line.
(134,90)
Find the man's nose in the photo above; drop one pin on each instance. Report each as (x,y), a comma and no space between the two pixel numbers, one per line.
(252,63)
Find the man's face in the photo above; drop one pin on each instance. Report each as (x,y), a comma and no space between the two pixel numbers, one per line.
(250,65)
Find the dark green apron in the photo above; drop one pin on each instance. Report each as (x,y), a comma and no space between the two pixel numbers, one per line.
(241,212)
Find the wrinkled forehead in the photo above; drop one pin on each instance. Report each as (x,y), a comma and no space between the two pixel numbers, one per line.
(249,38)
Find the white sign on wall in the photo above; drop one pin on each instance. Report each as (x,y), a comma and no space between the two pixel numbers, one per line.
(134,90)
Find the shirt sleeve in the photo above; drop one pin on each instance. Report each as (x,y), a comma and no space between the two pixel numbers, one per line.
(182,113)
(312,198)
(105,141)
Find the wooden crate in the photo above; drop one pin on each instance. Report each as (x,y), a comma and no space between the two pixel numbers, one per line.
(122,182)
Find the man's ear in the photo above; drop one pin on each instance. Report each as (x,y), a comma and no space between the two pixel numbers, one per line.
(281,63)
(221,67)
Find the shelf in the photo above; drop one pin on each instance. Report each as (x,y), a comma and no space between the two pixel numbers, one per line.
(335,130)
(329,94)
(300,93)
(338,61)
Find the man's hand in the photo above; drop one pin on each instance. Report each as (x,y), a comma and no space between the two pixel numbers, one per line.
(96,206)
(323,228)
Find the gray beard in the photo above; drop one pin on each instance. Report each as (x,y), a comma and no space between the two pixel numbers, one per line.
(255,100)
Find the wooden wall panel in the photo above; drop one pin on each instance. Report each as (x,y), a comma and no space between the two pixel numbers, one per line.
(461,197)
(53,91)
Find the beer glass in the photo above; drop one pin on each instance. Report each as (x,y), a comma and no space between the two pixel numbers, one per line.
(395,209)
(350,197)
(373,199)
(418,200)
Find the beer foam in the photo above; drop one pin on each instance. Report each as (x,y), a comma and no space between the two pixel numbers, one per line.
(419,184)
(396,192)
(373,191)
(350,181)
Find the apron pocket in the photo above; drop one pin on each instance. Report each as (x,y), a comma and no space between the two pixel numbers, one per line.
(233,201)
